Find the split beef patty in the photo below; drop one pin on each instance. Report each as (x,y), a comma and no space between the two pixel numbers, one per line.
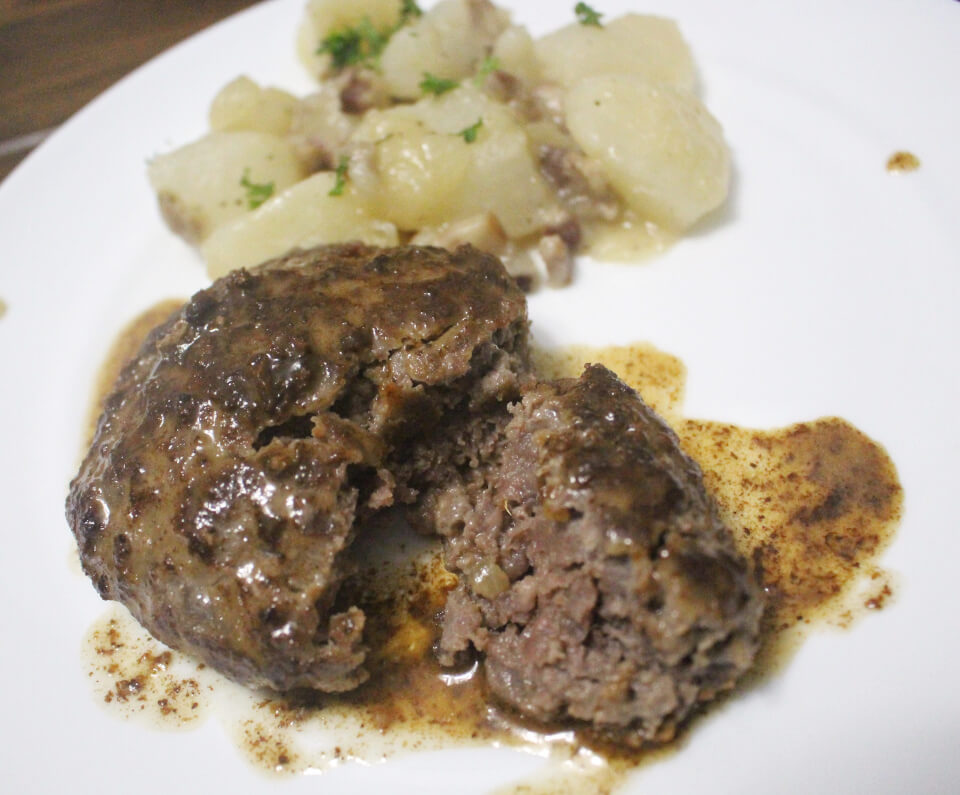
(595,576)
(263,423)
(238,449)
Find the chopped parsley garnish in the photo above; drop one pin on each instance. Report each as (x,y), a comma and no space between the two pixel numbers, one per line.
(341,172)
(363,43)
(587,16)
(487,66)
(470,133)
(257,193)
(360,45)
(409,10)
(436,85)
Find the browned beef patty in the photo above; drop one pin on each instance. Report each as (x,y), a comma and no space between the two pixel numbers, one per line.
(264,421)
(255,426)
(595,576)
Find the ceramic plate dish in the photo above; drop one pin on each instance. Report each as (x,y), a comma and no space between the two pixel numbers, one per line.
(829,286)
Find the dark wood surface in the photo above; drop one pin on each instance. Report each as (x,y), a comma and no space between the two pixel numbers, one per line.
(57,55)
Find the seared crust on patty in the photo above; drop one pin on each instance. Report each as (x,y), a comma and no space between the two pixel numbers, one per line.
(254,427)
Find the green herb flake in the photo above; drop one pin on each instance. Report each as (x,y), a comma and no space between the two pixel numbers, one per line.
(362,44)
(436,85)
(358,45)
(343,46)
(375,39)
(470,133)
(340,184)
(409,10)
(488,66)
(257,193)
(587,16)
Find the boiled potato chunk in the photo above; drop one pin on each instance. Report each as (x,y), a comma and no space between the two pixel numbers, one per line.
(201,185)
(428,174)
(323,17)
(593,128)
(660,148)
(320,129)
(303,215)
(448,41)
(515,52)
(632,44)
(455,110)
(503,179)
(327,16)
(420,173)
(243,105)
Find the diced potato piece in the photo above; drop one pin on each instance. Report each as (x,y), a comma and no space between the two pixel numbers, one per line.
(303,215)
(546,133)
(429,174)
(421,173)
(199,186)
(629,239)
(516,53)
(243,105)
(452,112)
(503,177)
(411,53)
(632,44)
(447,41)
(480,231)
(330,15)
(660,148)
(505,180)
(319,129)
(323,17)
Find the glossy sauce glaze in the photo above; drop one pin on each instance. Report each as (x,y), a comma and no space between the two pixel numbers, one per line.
(812,506)
(124,347)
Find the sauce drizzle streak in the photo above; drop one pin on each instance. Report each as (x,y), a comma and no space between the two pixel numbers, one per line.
(812,506)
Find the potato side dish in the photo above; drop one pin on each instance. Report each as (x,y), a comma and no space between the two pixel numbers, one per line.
(450,126)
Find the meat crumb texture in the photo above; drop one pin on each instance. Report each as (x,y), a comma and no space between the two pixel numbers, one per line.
(595,576)
(263,425)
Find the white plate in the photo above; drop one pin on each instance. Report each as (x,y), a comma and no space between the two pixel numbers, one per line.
(830,286)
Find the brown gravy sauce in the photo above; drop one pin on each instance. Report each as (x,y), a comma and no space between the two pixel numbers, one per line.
(139,678)
(903,161)
(812,506)
(127,343)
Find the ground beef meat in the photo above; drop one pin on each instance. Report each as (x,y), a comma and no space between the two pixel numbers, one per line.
(254,429)
(258,428)
(595,577)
